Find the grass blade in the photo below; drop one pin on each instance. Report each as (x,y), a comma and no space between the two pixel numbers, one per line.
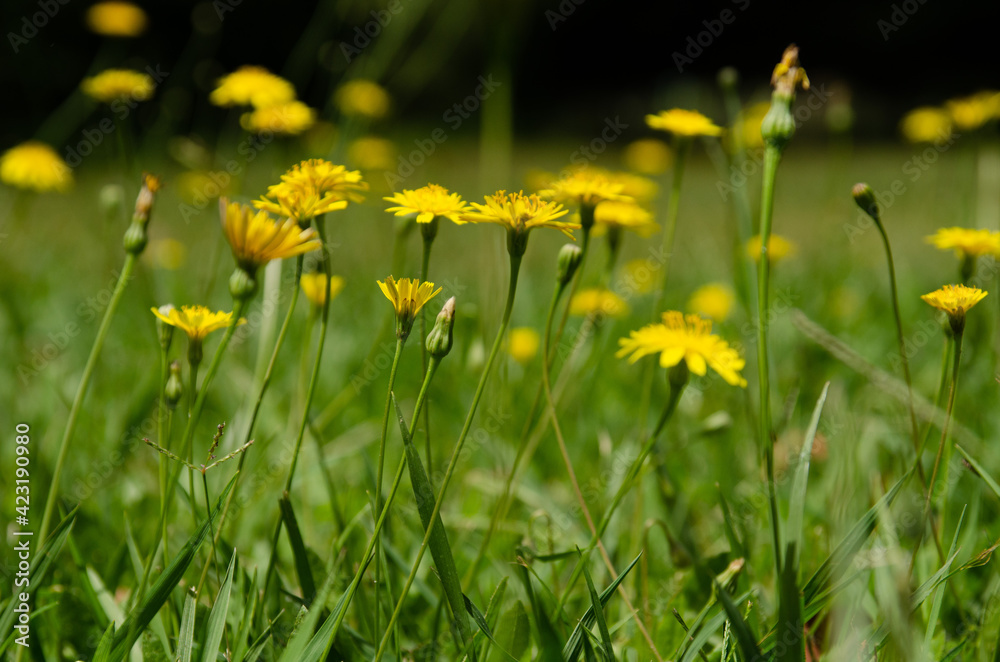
(598,607)
(302,568)
(573,647)
(185,640)
(104,645)
(217,617)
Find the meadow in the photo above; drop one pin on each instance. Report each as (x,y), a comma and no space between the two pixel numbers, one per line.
(717,421)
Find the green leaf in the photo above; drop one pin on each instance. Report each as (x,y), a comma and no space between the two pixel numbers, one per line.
(598,607)
(217,617)
(548,639)
(574,646)
(302,639)
(978,469)
(185,639)
(710,626)
(800,480)
(514,631)
(484,627)
(302,567)
(246,620)
(104,645)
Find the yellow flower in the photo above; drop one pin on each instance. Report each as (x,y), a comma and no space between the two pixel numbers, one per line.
(585,186)
(714,301)
(429,202)
(683,123)
(408,296)
(314,285)
(643,189)
(648,156)
(523,343)
(116,19)
(114,84)
(520,213)
(972,112)
(598,301)
(196,321)
(311,188)
(625,216)
(362,97)
(778,248)
(35,166)
(955,299)
(748,124)
(372,153)
(252,86)
(925,125)
(641,274)
(256,238)
(689,339)
(290,118)
(966,242)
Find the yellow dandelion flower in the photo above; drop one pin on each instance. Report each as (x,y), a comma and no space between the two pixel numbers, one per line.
(116,19)
(523,344)
(640,275)
(714,301)
(584,186)
(196,321)
(971,112)
(252,86)
(362,97)
(648,156)
(966,242)
(372,153)
(35,166)
(778,248)
(625,216)
(955,300)
(290,118)
(641,189)
(688,338)
(114,84)
(408,296)
(683,123)
(314,286)
(256,238)
(925,125)
(429,202)
(520,213)
(598,301)
(311,188)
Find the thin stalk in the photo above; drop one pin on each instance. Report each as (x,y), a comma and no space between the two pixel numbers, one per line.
(211,524)
(162,468)
(193,390)
(424,268)
(81,391)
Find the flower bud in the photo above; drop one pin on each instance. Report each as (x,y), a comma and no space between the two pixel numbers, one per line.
(242,284)
(440,338)
(174,390)
(570,256)
(865,197)
(136,236)
(778,125)
(165,331)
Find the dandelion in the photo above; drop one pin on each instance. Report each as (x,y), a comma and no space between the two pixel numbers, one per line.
(597,301)
(314,286)
(372,153)
(252,86)
(955,300)
(116,19)
(520,214)
(683,123)
(616,215)
(35,166)
(428,203)
(925,125)
(688,338)
(312,188)
(584,187)
(118,84)
(972,112)
(714,301)
(648,156)
(778,248)
(523,344)
(364,98)
(966,242)
(408,296)
(289,118)
(196,321)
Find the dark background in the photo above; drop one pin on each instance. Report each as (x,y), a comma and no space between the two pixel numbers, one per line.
(599,56)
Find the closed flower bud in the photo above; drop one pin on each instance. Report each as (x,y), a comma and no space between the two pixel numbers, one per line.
(136,236)
(165,331)
(865,197)
(242,284)
(440,338)
(174,390)
(569,260)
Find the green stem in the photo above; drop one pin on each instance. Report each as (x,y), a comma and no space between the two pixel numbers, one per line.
(208,515)
(81,391)
(944,449)
(193,374)
(162,468)
(424,268)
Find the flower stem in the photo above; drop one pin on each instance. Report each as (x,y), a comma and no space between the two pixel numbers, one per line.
(162,468)
(424,268)
(81,391)
(190,449)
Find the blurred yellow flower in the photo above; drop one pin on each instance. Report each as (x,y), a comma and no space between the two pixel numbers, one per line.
(640,275)
(116,19)
(35,166)
(625,216)
(778,247)
(314,286)
(522,344)
(598,301)
(966,242)
(971,112)
(955,300)
(290,118)
(429,202)
(408,296)
(584,186)
(252,86)
(372,153)
(642,189)
(197,187)
(684,123)
(166,253)
(536,179)
(114,84)
(714,301)
(520,213)
(256,238)
(362,97)
(648,156)
(748,124)
(196,321)
(925,125)
(311,188)
(688,338)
